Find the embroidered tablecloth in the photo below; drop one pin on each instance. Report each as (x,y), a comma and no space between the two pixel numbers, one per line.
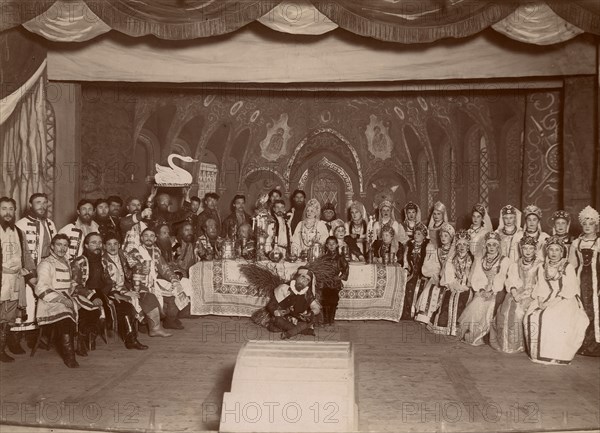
(372,292)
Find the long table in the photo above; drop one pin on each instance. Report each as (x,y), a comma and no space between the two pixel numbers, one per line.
(372,292)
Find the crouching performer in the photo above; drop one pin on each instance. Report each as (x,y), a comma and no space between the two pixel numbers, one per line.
(57,303)
(294,306)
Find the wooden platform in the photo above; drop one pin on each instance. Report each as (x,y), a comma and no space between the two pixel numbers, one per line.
(408,380)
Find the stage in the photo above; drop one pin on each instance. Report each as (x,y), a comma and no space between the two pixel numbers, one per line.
(408,380)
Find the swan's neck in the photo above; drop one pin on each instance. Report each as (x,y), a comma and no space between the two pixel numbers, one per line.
(172,164)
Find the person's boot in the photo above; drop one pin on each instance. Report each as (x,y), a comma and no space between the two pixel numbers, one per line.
(82,345)
(68,352)
(171,310)
(155,329)
(131,341)
(92,340)
(13,341)
(332,315)
(4,357)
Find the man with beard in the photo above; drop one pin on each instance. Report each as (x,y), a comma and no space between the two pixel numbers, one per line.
(120,270)
(135,214)
(83,226)
(162,212)
(115,204)
(187,248)
(17,267)
(106,222)
(210,211)
(92,283)
(328,215)
(153,274)
(39,231)
(210,241)
(238,216)
(164,241)
(294,306)
(296,213)
(279,233)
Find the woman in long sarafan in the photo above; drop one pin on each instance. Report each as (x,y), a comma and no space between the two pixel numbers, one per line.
(428,298)
(506,334)
(414,255)
(487,281)
(455,290)
(585,257)
(555,323)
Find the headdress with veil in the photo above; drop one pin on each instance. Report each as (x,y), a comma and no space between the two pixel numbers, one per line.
(387,203)
(412,205)
(487,221)
(509,210)
(439,206)
(314,204)
(360,207)
(561,214)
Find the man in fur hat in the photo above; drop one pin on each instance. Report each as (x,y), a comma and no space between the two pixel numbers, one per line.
(294,306)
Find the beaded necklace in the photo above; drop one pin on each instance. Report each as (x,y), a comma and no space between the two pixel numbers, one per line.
(488,263)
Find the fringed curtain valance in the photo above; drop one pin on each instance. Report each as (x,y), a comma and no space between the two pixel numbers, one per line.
(409,22)
(585,14)
(404,21)
(168,19)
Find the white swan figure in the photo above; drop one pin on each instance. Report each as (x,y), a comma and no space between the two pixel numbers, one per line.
(173,175)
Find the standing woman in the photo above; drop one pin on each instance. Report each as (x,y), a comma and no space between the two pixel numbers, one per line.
(311,229)
(414,256)
(509,227)
(356,226)
(428,298)
(480,225)
(506,334)
(585,257)
(487,281)
(561,223)
(532,229)
(439,216)
(556,321)
(454,282)
(412,216)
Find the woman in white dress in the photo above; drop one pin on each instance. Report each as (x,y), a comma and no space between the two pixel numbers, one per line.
(310,230)
(357,224)
(555,323)
(487,281)
(480,225)
(456,294)
(509,227)
(388,218)
(532,229)
(439,216)
(428,299)
(506,334)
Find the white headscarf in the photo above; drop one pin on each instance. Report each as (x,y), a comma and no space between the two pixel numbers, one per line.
(441,207)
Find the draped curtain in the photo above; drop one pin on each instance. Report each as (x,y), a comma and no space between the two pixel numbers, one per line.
(23,139)
(404,21)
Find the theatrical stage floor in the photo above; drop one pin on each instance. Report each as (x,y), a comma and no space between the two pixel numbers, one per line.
(408,380)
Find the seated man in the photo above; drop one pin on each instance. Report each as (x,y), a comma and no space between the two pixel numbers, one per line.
(92,284)
(153,274)
(120,270)
(245,244)
(210,241)
(57,302)
(294,306)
